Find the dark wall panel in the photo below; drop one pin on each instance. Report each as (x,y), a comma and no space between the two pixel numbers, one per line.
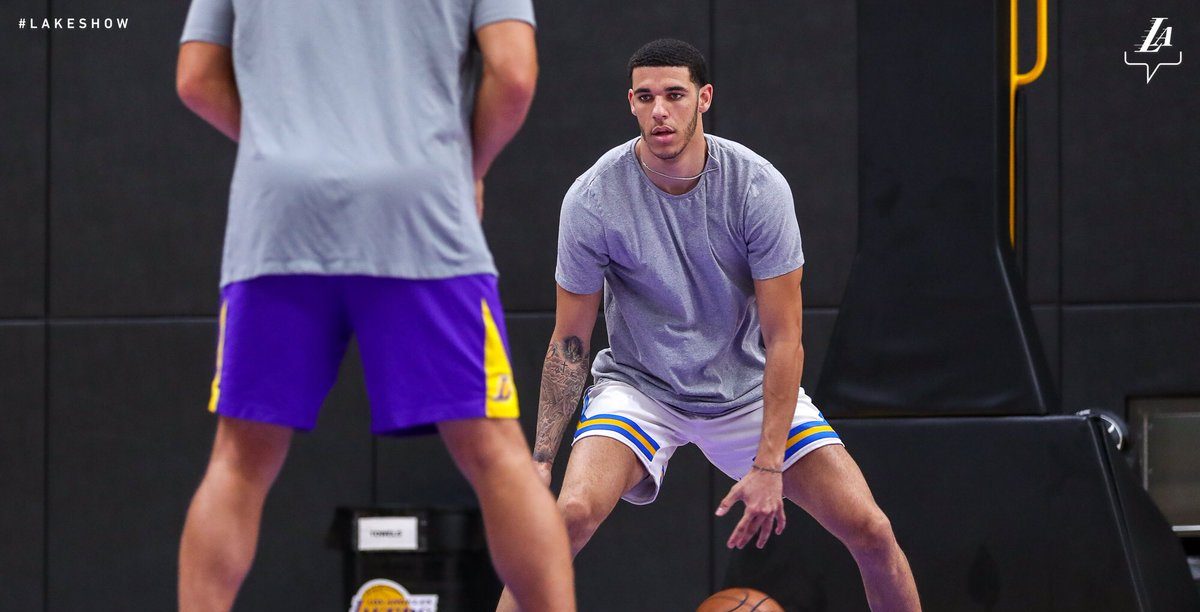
(818,329)
(1131,209)
(129,438)
(784,85)
(419,471)
(23,162)
(1112,353)
(140,185)
(22,468)
(579,113)
(1046,320)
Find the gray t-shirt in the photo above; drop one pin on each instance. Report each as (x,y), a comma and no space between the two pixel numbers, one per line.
(355,152)
(678,272)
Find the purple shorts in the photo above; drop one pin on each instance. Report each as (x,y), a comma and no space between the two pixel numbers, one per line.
(432,350)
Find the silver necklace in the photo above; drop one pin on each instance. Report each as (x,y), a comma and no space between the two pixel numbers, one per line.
(679,178)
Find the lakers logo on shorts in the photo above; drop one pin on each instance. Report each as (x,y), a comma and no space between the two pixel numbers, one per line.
(504,388)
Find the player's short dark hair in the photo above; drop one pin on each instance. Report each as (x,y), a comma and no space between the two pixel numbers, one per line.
(671,52)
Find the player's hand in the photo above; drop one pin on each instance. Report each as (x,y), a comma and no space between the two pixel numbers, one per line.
(543,469)
(479,198)
(762,493)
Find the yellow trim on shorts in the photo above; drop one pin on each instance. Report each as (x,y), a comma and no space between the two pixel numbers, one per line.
(800,435)
(623,425)
(216,383)
(501,390)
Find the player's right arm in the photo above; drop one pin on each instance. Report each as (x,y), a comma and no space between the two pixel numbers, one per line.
(205,82)
(563,373)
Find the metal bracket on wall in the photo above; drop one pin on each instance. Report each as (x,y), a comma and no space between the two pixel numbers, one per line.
(1015,81)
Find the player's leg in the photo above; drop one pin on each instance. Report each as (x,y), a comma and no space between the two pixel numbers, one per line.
(281,340)
(221,531)
(622,440)
(621,449)
(822,478)
(525,534)
(600,470)
(829,486)
(434,352)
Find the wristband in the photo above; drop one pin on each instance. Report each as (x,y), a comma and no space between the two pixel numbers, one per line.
(765,469)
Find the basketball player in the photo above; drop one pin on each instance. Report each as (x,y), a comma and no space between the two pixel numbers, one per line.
(354,210)
(694,241)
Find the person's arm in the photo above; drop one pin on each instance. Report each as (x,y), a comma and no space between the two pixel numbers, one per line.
(563,373)
(780,309)
(205,82)
(505,92)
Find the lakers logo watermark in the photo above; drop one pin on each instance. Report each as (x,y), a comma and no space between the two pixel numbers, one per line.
(1155,50)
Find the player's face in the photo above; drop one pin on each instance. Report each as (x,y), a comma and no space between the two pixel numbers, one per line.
(668,105)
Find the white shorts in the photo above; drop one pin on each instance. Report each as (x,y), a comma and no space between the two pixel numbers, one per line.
(653,431)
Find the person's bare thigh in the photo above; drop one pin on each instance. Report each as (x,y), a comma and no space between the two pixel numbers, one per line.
(479,444)
(601,470)
(829,486)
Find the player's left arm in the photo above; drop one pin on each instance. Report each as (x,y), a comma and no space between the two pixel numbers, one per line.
(780,309)
(505,93)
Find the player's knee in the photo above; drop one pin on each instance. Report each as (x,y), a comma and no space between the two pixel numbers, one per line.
(871,535)
(255,470)
(581,517)
(248,454)
(489,452)
(497,469)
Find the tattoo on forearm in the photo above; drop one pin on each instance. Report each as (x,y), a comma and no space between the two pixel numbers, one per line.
(563,375)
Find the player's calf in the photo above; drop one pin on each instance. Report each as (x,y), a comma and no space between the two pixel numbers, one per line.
(221,530)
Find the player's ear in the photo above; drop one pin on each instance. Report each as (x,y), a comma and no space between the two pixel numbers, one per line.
(632,111)
(706,94)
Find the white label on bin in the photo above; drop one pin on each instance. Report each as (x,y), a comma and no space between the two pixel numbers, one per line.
(387,533)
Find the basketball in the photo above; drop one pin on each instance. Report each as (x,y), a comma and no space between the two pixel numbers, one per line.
(741,600)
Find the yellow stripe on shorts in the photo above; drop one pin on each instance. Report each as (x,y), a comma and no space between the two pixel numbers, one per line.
(501,390)
(216,383)
(806,433)
(623,425)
